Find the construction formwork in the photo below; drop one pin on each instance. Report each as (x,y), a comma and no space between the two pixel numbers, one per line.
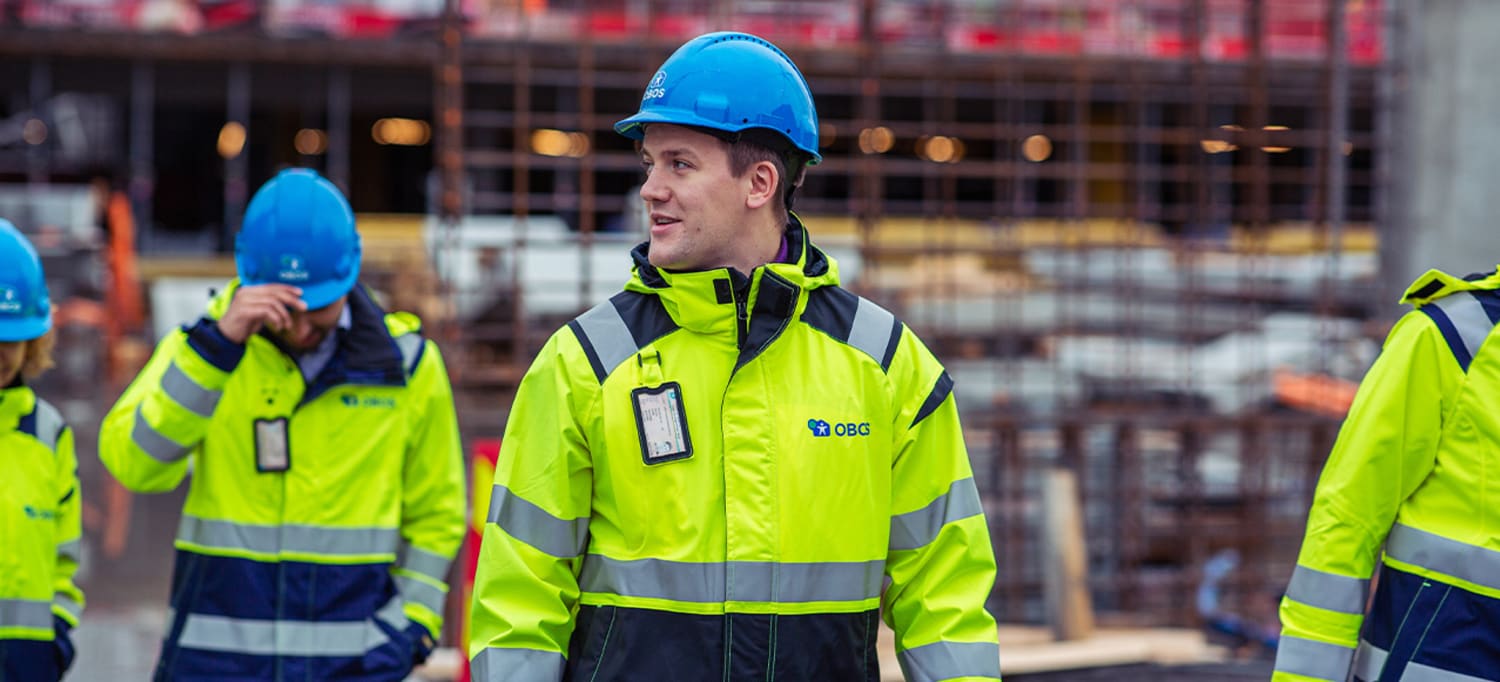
(1140,234)
(1139,250)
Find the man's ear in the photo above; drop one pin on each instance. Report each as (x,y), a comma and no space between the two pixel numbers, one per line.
(763,182)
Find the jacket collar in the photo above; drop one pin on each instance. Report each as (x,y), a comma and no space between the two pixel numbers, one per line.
(16,401)
(705,301)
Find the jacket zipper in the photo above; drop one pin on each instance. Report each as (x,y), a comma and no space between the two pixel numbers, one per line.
(739,290)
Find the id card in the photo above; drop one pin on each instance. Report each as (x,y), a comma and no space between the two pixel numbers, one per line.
(661,423)
(272,449)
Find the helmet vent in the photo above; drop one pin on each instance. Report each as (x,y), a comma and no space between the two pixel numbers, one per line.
(747,38)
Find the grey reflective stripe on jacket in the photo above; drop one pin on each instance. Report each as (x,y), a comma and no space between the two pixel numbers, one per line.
(753,581)
(290,637)
(326,541)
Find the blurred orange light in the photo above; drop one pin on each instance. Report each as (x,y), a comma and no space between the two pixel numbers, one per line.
(551,142)
(877,140)
(310,142)
(231,139)
(401,131)
(940,149)
(1036,148)
(827,133)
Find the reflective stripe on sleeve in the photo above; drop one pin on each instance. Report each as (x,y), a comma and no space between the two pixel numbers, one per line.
(947,660)
(187,393)
(919,528)
(68,606)
(148,439)
(562,538)
(418,592)
(1311,658)
(501,665)
(417,560)
(1327,590)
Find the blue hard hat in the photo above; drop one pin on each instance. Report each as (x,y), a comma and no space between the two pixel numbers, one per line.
(730,82)
(25,309)
(299,230)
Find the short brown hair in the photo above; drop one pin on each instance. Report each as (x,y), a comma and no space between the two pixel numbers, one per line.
(38,355)
(744,153)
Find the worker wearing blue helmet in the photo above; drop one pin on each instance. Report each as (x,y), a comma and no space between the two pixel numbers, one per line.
(734,468)
(327,495)
(39,524)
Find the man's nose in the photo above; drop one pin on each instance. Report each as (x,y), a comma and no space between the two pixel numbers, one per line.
(654,189)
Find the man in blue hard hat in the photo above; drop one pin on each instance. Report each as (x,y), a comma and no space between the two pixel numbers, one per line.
(327,493)
(39,523)
(733,469)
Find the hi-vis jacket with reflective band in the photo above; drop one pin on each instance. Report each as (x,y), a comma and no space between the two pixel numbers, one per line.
(1416,471)
(334,568)
(39,534)
(822,481)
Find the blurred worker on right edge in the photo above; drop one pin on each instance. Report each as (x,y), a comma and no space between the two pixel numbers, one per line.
(735,467)
(327,493)
(1416,472)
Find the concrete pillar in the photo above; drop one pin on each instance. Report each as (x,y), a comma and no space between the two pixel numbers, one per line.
(1444,172)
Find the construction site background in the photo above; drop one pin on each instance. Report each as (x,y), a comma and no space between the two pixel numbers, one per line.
(1148,238)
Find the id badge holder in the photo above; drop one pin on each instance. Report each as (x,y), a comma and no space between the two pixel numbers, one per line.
(661,423)
(273,452)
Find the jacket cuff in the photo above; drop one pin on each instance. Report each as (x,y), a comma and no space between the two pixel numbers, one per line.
(209,343)
(422,642)
(62,641)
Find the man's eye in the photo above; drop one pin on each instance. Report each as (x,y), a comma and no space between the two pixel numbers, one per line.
(679,165)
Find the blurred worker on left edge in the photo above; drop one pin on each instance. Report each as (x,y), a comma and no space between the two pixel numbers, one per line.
(39,526)
(327,495)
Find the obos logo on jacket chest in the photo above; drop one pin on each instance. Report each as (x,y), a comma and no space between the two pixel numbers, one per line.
(823,429)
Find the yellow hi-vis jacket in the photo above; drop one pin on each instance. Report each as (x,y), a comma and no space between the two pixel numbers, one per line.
(322,516)
(718,477)
(39,538)
(1415,472)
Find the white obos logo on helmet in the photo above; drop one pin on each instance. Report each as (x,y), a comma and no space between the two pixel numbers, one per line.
(292,269)
(657,88)
(9,301)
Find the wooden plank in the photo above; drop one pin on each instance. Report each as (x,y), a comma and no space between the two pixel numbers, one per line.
(1070,609)
(1030,649)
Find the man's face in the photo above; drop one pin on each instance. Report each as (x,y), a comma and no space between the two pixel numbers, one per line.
(697,207)
(12,354)
(310,328)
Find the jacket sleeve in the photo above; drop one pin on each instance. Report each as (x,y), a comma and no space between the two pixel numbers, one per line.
(67,599)
(941,564)
(1385,449)
(432,504)
(163,415)
(536,531)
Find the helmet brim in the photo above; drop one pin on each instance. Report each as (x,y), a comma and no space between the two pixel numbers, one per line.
(323,294)
(634,127)
(24,329)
